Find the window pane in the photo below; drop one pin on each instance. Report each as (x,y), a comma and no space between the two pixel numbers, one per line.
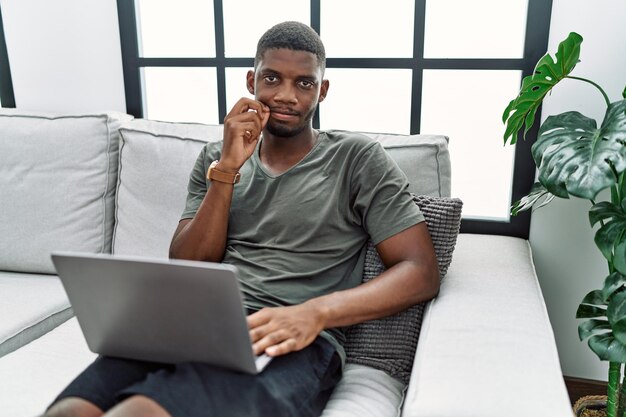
(181,94)
(475,29)
(467,106)
(366,29)
(173,29)
(236,86)
(353,104)
(246,21)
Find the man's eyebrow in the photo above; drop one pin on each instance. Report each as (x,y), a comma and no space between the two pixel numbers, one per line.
(313,77)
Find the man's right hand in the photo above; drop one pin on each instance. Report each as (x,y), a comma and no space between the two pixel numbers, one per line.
(242,129)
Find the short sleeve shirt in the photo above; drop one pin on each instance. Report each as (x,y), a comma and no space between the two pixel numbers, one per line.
(302,234)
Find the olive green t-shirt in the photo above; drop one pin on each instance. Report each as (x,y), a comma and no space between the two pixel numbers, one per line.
(302,234)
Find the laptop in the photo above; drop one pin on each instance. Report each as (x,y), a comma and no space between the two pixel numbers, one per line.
(159,310)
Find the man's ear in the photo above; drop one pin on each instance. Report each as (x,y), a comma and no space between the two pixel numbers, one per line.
(323,90)
(250,81)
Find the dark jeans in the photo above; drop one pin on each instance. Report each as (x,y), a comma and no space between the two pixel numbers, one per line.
(298,384)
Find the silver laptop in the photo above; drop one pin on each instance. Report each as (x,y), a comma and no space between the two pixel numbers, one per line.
(163,310)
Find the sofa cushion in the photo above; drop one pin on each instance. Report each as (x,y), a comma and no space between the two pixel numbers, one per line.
(389,343)
(35,374)
(155,161)
(30,305)
(489,322)
(57,180)
(424,159)
(365,392)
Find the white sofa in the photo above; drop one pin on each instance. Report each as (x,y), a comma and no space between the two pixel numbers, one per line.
(105,182)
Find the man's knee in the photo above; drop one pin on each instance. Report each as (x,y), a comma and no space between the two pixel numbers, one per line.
(73,407)
(138,406)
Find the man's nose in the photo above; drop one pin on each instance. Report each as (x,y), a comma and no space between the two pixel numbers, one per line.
(286,94)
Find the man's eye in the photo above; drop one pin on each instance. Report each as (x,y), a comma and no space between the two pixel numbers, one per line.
(270,79)
(306,84)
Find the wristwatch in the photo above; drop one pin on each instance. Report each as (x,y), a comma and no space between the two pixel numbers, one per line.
(214,174)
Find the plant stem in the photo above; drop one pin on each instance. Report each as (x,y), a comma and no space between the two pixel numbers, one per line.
(621,410)
(612,391)
(606,98)
(620,186)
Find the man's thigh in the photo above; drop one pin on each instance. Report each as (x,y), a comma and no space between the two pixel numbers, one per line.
(102,381)
(298,384)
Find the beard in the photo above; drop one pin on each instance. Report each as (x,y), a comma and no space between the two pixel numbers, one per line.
(280,130)
(283,131)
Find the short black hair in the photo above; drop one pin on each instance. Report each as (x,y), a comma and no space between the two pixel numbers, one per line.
(292,35)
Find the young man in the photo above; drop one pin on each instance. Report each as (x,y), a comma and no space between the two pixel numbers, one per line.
(292,208)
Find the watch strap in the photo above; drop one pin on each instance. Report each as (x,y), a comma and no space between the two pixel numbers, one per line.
(214,174)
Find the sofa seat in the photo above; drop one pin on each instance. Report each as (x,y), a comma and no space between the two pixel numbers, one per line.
(35,374)
(486,349)
(30,306)
(486,346)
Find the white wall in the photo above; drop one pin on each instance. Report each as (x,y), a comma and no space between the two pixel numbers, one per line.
(64,54)
(567,260)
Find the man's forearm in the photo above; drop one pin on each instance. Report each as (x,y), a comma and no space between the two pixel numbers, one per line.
(405,284)
(280,330)
(203,238)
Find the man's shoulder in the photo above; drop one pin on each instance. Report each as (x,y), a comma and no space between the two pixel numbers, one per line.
(349,140)
(211,151)
(349,136)
(213,146)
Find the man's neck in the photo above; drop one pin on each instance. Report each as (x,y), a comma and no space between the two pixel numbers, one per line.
(278,154)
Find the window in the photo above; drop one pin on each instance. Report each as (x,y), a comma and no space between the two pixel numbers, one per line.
(447,66)
(6,85)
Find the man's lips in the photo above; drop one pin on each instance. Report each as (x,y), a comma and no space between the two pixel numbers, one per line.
(283,114)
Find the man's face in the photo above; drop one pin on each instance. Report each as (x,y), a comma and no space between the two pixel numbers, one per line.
(290,84)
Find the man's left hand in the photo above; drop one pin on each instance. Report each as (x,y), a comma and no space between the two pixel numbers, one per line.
(280,330)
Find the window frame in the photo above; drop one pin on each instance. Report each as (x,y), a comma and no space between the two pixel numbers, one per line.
(7,97)
(535,46)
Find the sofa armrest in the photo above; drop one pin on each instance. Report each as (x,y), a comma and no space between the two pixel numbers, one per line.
(486,346)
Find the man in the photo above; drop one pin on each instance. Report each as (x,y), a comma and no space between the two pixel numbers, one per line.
(292,208)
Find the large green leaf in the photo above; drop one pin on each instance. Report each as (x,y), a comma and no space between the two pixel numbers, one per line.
(589,327)
(574,157)
(593,305)
(586,311)
(619,255)
(603,325)
(608,348)
(616,314)
(610,239)
(537,193)
(611,236)
(595,297)
(604,210)
(612,283)
(548,72)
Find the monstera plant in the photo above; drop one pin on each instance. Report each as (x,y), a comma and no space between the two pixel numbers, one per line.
(575,157)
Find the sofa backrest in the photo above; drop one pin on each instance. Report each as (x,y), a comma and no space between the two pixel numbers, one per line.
(57,182)
(156,159)
(60,189)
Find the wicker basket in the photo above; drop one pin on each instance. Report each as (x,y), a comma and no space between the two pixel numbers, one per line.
(591,406)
